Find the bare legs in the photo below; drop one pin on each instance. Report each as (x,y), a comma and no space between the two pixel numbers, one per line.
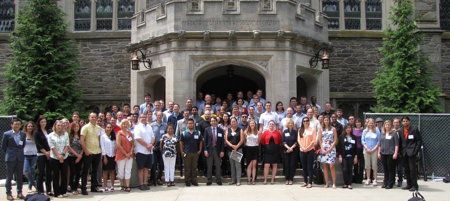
(325,174)
(112,176)
(266,172)
(251,171)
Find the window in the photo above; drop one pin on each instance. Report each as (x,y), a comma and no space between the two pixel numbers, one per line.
(126,11)
(231,5)
(445,15)
(104,14)
(82,12)
(331,8)
(194,5)
(373,15)
(7,12)
(352,14)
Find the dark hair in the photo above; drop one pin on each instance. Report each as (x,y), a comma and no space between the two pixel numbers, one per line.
(148,94)
(406,117)
(190,119)
(302,127)
(15,119)
(170,125)
(345,128)
(38,123)
(276,106)
(112,136)
(293,98)
(126,104)
(194,107)
(71,131)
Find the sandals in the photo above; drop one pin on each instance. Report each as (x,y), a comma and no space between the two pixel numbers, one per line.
(127,189)
(309,186)
(304,185)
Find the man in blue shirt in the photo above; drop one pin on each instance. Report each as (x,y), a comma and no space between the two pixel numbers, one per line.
(13,144)
(191,147)
(159,128)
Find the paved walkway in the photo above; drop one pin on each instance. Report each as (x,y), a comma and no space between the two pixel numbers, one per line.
(433,191)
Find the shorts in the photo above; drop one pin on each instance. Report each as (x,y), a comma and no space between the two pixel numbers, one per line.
(110,164)
(144,160)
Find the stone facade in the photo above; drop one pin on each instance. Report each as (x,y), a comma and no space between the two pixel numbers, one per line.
(5,52)
(445,71)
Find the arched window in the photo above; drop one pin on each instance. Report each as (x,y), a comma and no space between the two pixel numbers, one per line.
(352,14)
(82,15)
(373,15)
(331,9)
(104,12)
(125,12)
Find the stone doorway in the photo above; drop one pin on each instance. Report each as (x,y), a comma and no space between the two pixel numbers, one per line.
(230,79)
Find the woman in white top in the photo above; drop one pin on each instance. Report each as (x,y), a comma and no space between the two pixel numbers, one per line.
(30,153)
(58,141)
(108,145)
(251,150)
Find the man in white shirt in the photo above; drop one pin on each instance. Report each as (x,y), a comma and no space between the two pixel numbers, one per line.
(340,117)
(267,116)
(145,140)
(289,115)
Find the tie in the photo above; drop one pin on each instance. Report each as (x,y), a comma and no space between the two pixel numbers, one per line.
(214,140)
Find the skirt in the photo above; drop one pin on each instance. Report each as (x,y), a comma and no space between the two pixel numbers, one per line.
(251,153)
(272,154)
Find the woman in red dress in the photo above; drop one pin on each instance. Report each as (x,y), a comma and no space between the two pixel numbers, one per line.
(271,142)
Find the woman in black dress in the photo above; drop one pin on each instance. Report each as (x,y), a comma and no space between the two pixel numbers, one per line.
(271,141)
(290,151)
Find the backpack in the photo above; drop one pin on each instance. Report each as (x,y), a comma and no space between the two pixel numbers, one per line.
(37,197)
(317,171)
(417,197)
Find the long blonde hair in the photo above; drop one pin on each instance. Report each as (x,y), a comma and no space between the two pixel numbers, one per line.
(249,130)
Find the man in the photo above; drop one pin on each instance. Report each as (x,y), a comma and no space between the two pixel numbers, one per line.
(298,116)
(159,128)
(252,115)
(201,127)
(175,116)
(411,141)
(340,117)
(143,106)
(243,124)
(303,103)
(195,116)
(289,115)
(254,101)
(12,145)
(351,121)
(169,110)
(126,110)
(208,101)
(200,100)
(120,116)
(76,117)
(259,92)
(259,109)
(379,123)
(313,122)
(240,95)
(188,105)
(267,116)
(158,108)
(399,161)
(90,142)
(214,150)
(145,140)
(181,127)
(191,146)
(328,109)
(336,124)
(292,102)
(114,110)
(136,109)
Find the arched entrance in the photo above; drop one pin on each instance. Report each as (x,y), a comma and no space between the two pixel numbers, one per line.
(230,79)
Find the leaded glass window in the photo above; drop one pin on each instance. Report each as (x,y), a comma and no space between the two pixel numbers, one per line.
(445,15)
(373,15)
(331,8)
(126,11)
(82,15)
(194,5)
(104,12)
(352,14)
(7,12)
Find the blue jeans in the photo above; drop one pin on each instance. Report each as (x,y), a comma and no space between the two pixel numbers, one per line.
(29,169)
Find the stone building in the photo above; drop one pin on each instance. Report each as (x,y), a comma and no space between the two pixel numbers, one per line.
(225,45)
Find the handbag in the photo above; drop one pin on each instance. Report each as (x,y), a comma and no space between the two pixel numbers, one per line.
(416,196)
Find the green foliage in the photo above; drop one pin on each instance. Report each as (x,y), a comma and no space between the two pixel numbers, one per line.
(41,75)
(403,83)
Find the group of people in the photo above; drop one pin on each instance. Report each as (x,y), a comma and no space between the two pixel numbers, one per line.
(225,137)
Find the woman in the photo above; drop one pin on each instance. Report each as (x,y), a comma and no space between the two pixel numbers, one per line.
(388,153)
(43,158)
(279,109)
(58,141)
(124,155)
(251,151)
(371,140)
(359,166)
(347,155)
(75,157)
(289,140)
(169,152)
(225,122)
(241,107)
(234,138)
(307,139)
(271,141)
(218,104)
(327,141)
(108,145)
(30,153)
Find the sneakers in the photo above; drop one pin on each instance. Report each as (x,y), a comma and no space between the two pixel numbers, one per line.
(374,183)
(367,182)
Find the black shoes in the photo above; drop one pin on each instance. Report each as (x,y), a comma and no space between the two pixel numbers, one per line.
(208,183)
(219,183)
(188,184)
(194,183)
(84,192)
(399,184)
(413,189)
(406,188)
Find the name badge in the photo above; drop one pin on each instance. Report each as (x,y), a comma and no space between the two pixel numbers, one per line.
(161,131)
(388,137)
(287,134)
(373,136)
(352,141)
(196,124)
(196,137)
(410,137)
(21,142)
(219,134)
(129,138)
(233,133)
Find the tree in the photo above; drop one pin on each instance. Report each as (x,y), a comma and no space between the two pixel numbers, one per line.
(41,75)
(403,83)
